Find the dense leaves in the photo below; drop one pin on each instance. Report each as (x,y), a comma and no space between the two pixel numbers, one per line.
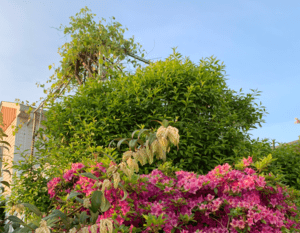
(30,183)
(288,164)
(212,120)
(95,51)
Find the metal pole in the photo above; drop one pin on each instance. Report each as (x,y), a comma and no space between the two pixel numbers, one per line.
(138,58)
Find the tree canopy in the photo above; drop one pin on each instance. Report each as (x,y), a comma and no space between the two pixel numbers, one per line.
(213,122)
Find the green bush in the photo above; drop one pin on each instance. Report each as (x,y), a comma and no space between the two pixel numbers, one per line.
(212,120)
(288,163)
(30,183)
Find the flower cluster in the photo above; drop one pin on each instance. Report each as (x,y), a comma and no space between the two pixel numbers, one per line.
(224,200)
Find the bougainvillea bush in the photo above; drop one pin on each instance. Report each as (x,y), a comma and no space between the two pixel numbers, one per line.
(224,200)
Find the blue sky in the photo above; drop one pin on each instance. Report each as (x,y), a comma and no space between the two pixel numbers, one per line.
(257,40)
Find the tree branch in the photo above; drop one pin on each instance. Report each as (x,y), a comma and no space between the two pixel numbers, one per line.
(77,72)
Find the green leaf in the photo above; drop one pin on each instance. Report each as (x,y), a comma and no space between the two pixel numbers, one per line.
(63,216)
(73,194)
(33,208)
(143,131)
(109,157)
(94,216)
(116,139)
(133,144)
(152,137)
(5,170)
(125,192)
(96,201)
(216,191)
(16,220)
(121,141)
(89,175)
(79,200)
(5,183)
(83,217)
(105,205)
(134,132)
(15,225)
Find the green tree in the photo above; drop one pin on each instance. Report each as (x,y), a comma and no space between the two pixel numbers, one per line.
(95,51)
(212,120)
(110,102)
(287,163)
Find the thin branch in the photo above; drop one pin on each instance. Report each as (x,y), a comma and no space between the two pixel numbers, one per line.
(77,72)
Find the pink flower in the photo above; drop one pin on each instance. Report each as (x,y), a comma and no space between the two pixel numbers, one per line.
(245,192)
(247,162)
(68,175)
(210,197)
(77,166)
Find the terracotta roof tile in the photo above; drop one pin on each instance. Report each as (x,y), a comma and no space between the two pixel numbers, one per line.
(9,115)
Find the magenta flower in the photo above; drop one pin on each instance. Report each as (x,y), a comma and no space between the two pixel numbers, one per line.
(68,175)
(77,166)
(218,193)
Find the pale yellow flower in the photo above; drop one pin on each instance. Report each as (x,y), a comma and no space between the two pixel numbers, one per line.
(104,224)
(127,155)
(43,227)
(86,203)
(111,169)
(160,153)
(117,179)
(161,132)
(123,168)
(98,184)
(105,185)
(164,143)
(130,173)
(173,135)
(85,230)
(154,146)
(142,156)
(94,228)
(73,230)
(149,154)
(133,164)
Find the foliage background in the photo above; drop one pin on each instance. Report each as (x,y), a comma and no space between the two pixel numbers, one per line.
(212,120)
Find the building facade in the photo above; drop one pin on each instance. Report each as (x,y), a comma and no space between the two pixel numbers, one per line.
(14,115)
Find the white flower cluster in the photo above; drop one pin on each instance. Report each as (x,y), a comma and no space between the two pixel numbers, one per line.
(43,228)
(106,226)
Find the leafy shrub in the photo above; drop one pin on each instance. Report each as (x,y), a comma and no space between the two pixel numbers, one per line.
(224,200)
(211,119)
(288,164)
(30,177)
